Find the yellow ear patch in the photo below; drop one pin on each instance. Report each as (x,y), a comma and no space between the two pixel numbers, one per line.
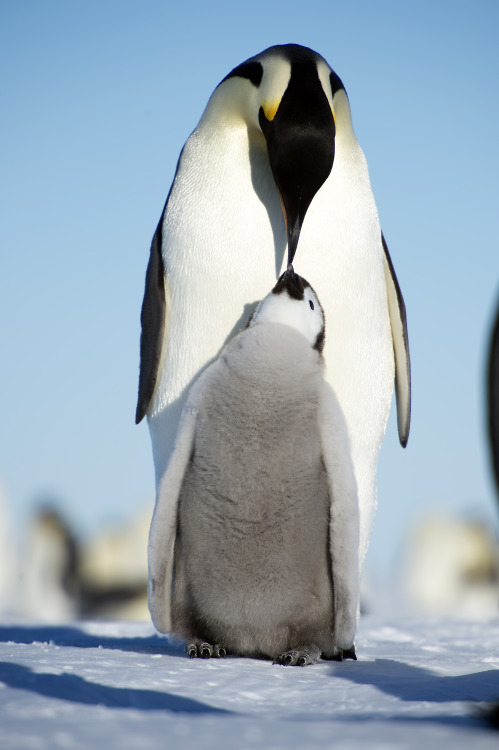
(323,71)
(270,109)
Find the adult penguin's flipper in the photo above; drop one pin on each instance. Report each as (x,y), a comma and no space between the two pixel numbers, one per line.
(152,318)
(400,339)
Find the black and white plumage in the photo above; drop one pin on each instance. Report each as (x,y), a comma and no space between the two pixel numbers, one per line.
(254,540)
(274,164)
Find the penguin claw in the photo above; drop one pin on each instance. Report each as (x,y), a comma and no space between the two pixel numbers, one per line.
(301,656)
(204,650)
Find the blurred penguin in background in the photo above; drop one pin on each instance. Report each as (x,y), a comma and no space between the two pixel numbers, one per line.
(493,399)
(50,569)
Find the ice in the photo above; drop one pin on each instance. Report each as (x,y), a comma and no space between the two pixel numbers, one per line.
(417,682)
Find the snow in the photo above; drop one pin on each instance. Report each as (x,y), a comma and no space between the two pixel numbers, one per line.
(418,682)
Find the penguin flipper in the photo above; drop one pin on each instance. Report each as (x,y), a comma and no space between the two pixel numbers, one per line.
(163,530)
(344,518)
(398,322)
(152,318)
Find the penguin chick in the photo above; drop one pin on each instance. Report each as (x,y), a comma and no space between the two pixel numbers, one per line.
(253,547)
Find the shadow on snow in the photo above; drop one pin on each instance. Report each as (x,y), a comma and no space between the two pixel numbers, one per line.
(66,635)
(409,683)
(76,689)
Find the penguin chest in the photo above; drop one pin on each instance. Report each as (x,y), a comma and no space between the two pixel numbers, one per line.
(254,513)
(223,243)
(341,254)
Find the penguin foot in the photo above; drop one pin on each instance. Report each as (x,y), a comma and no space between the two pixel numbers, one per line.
(300,656)
(349,653)
(340,654)
(203,650)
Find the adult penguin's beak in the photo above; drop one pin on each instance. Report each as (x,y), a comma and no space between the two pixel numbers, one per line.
(300,135)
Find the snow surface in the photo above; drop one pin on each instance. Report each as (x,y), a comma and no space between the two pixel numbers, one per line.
(417,683)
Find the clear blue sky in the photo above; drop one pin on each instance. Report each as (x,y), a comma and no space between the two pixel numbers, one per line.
(96,101)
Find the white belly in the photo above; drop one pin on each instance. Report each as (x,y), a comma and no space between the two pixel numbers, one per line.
(223,248)
(341,255)
(222,254)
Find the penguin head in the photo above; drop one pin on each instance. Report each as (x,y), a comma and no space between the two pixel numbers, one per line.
(289,94)
(294,303)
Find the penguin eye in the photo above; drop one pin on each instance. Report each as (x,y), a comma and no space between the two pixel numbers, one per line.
(311,304)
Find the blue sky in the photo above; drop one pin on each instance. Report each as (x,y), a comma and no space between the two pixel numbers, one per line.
(96,101)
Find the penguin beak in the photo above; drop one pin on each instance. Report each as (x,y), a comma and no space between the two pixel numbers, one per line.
(300,137)
(291,283)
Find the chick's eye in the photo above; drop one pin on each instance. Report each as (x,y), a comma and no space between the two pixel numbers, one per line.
(311,304)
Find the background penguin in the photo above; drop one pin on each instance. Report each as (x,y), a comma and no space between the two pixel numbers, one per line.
(493,398)
(273,160)
(254,540)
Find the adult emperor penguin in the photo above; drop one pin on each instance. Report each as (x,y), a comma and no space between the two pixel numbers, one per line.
(273,160)
(254,540)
